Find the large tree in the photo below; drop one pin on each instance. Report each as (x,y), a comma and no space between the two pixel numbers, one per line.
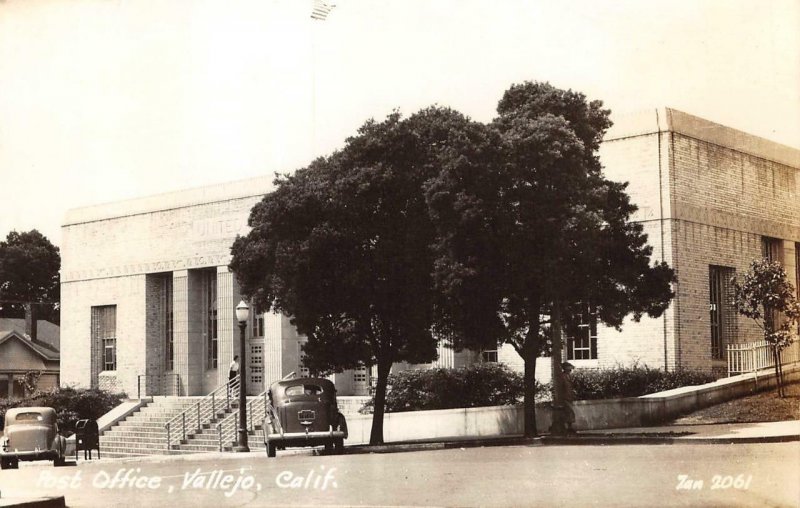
(539,234)
(344,246)
(29,275)
(765,295)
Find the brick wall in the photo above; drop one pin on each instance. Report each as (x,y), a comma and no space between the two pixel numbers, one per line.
(707,195)
(726,201)
(77,299)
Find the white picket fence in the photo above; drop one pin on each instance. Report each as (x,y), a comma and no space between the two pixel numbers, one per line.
(755,356)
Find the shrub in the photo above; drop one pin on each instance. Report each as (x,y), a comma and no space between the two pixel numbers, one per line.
(71,404)
(487,384)
(631,381)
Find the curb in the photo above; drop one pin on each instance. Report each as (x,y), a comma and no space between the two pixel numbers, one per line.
(35,502)
(664,440)
(442,445)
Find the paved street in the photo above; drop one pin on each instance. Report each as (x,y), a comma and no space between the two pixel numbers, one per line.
(618,475)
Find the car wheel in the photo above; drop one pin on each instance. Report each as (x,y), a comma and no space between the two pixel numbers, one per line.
(338,446)
(328,448)
(58,462)
(5,464)
(271,450)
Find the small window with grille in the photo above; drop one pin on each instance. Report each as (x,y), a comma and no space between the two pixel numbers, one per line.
(583,344)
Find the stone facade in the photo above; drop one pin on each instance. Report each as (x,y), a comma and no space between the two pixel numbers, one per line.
(708,196)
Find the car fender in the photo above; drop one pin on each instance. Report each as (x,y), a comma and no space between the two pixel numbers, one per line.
(341,424)
(60,444)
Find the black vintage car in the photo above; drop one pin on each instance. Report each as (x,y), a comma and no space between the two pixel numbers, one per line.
(31,433)
(303,412)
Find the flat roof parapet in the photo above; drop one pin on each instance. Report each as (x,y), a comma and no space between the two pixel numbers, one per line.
(671,120)
(251,187)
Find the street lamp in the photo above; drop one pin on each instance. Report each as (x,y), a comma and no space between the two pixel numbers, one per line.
(242,313)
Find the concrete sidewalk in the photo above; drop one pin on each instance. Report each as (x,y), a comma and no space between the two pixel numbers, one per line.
(756,432)
(766,432)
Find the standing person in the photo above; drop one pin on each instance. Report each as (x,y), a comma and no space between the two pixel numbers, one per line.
(233,371)
(569,396)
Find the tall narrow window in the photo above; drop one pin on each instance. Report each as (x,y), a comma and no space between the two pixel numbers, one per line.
(797,275)
(583,344)
(210,304)
(169,330)
(104,334)
(720,306)
(258,322)
(772,249)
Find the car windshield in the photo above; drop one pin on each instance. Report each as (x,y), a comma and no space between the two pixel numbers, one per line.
(303,390)
(29,417)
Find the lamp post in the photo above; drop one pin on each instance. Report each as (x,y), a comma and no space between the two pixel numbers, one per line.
(242,313)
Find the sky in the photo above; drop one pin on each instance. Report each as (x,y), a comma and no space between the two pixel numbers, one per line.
(103,100)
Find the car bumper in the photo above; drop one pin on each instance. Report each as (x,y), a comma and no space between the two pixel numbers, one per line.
(304,438)
(30,455)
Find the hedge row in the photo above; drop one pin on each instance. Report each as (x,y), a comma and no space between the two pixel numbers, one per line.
(70,404)
(494,384)
(488,384)
(631,381)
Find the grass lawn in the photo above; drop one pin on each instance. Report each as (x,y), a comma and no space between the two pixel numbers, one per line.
(761,407)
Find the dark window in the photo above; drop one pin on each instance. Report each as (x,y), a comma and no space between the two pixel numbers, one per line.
(303,390)
(29,417)
(721,309)
(258,323)
(104,333)
(210,303)
(797,274)
(169,330)
(772,249)
(583,345)
(489,356)
(17,388)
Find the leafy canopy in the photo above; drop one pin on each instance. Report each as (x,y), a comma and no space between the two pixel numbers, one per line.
(344,246)
(540,225)
(765,295)
(29,272)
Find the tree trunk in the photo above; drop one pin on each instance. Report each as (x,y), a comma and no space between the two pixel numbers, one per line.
(776,356)
(529,408)
(558,426)
(529,352)
(376,434)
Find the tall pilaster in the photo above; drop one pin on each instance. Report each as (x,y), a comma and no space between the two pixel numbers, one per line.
(227,299)
(180,302)
(273,350)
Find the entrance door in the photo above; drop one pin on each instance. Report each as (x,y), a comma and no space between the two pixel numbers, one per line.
(255,367)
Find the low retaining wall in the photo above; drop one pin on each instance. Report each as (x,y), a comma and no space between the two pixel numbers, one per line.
(589,414)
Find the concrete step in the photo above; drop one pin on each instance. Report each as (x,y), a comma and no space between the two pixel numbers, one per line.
(121,452)
(134,423)
(142,435)
(144,432)
(127,448)
(133,440)
(162,411)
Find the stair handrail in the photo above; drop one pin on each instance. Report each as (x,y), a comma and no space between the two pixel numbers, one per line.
(204,411)
(228,428)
